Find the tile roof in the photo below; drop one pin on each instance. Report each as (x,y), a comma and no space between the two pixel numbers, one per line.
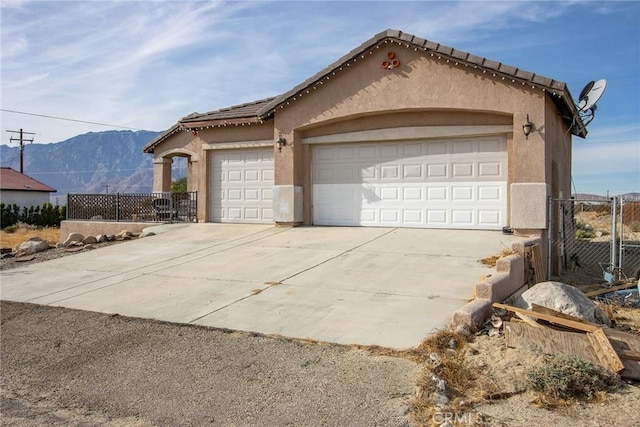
(246,110)
(264,109)
(242,113)
(13,180)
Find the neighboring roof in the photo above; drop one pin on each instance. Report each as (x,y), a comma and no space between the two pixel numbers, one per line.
(13,180)
(258,111)
(237,114)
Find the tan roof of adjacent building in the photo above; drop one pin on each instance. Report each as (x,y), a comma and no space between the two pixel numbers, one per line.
(258,111)
(13,180)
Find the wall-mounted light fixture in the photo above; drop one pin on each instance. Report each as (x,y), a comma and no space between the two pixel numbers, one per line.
(527,127)
(281,142)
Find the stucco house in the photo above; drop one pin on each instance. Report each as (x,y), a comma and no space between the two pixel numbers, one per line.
(22,190)
(399,132)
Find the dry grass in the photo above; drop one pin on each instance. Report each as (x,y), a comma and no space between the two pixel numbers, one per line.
(463,384)
(492,260)
(12,240)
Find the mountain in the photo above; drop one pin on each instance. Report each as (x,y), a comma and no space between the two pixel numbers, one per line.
(90,162)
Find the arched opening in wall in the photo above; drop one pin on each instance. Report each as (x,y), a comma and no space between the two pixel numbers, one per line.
(179,175)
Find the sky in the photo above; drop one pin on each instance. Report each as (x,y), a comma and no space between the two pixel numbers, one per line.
(145,64)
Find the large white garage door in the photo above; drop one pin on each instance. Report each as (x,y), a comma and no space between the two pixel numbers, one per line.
(242,185)
(454,183)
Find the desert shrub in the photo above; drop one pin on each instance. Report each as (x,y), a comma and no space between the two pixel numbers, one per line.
(10,229)
(563,376)
(584,230)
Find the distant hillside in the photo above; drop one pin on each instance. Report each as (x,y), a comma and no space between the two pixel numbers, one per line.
(88,163)
(599,198)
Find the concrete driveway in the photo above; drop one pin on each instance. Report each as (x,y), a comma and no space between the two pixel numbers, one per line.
(384,286)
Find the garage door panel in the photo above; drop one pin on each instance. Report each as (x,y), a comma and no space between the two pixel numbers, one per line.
(440,184)
(242,185)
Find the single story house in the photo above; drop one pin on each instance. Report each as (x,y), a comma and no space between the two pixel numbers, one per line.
(399,132)
(22,190)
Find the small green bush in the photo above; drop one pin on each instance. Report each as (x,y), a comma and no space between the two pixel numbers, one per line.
(10,229)
(563,376)
(584,230)
(584,234)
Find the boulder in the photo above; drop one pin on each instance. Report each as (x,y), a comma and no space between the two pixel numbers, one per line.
(564,298)
(146,234)
(89,240)
(88,247)
(124,234)
(101,238)
(73,237)
(32,246)
(111,237)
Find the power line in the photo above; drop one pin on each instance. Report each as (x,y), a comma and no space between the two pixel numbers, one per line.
(67,119)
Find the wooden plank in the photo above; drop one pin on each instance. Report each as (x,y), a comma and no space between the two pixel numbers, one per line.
(538,267)
(528,320)
(550,341)
(546,310)
(550,318)
(626,354)
(612,289)
(625,343)
(605,352)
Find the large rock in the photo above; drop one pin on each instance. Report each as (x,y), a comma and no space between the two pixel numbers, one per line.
(89,240)
(32,246)
(73,237)
(563,298)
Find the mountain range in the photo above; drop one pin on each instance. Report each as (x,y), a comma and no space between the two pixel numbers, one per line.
(94,162)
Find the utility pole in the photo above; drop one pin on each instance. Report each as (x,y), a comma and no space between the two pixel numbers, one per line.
(107,187)
(21,140)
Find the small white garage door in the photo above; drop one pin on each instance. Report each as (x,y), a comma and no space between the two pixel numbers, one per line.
(454,183)
(242,185)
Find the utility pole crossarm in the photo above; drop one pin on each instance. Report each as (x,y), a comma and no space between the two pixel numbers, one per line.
(21,141)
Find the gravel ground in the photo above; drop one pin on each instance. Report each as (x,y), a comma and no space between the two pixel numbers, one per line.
(70,367)
(52,253)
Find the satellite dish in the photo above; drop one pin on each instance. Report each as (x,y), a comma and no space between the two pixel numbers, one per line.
(591,94)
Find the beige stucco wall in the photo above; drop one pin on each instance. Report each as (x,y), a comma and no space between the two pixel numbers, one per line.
(423,91)
(194,146)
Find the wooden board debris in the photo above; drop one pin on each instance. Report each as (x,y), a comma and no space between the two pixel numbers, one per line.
(628,348)
(570,323)
(538,268)
(617,350)
(611,289)
(550,341)
(546,310)
(605,352)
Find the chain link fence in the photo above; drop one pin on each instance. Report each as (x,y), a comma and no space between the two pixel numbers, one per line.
(598,237)
(133,207)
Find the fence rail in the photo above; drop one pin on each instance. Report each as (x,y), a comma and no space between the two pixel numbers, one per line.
(133,207)
(601,238)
